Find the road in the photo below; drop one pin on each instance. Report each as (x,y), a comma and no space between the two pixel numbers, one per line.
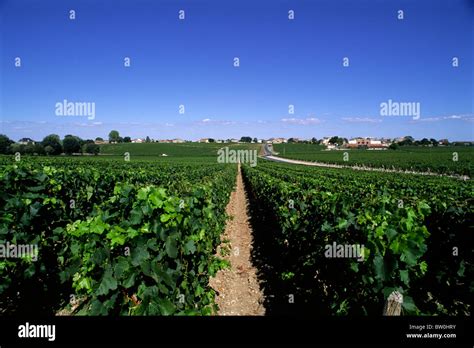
(269,155)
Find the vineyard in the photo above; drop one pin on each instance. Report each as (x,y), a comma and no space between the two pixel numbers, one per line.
(443,160)
(186,150)
(114,237)
(409,227)
(140,237)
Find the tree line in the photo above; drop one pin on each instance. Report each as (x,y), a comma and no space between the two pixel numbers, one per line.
(50,145)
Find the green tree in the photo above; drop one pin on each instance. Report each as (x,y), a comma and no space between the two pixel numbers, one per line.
(5,143)
(28,149)
(114,136)
(147,140)
(53,143)
(336,141)
(71,144)
(127,140)
(49,150)
(246,139)
(425,141)
(393,146)
(408,140)
(38,149)
(91,148)
(14,148)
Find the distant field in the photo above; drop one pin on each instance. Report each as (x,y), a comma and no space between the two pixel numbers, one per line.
(171,150)
(287,150)
(437,159)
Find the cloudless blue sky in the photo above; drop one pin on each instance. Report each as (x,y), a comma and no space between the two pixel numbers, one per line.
(282,62)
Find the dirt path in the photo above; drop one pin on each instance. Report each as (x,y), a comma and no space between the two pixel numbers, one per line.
(238,289)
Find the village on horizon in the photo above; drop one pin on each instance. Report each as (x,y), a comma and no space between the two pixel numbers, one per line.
(331,143)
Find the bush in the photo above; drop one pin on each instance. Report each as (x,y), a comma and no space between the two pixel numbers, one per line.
(71,144)
(5,142)
(393,146)
(91,148)
(53,144)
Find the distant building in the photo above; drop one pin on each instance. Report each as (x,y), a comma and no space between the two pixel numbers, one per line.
(352,143)
(138,141)
(204,140)
(366,143)
(168,141)
(26,141)
(325,140)
(100,142)
(277,141)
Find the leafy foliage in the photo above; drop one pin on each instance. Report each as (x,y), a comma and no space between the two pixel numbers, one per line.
(408,226)
(138,242)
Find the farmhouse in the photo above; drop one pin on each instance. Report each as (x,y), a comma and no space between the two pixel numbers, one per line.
(365,143)
(277,141)
(26,141)
(325,140)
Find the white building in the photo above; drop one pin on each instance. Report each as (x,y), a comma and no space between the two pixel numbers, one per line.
(325,140)
(26,141)
(277,141)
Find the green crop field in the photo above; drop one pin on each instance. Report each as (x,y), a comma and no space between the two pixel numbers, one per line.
(139,237)
(443,159)
(125,238)
(171,150)
(408,226)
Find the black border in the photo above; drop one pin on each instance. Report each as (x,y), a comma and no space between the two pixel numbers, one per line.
(134,331)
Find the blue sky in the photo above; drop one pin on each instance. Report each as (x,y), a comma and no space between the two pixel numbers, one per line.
(282,62)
